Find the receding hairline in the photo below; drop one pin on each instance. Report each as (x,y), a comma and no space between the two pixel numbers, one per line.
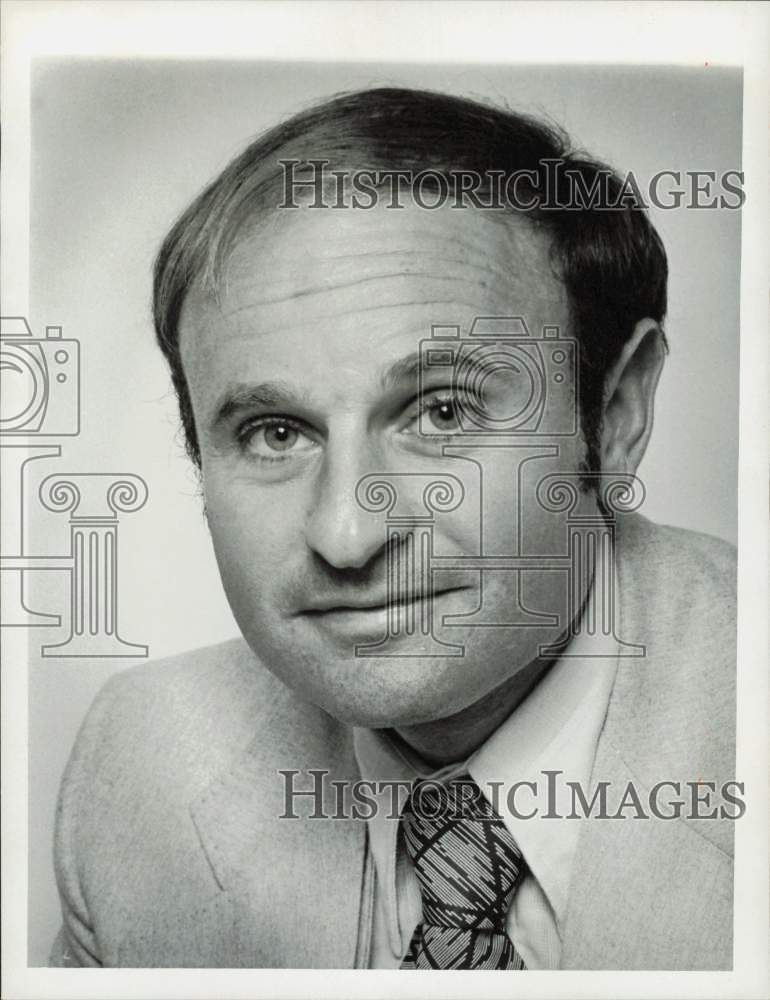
(612,264)
(347,129)
(524,239)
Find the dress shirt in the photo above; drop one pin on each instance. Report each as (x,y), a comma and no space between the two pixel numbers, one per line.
(555,728)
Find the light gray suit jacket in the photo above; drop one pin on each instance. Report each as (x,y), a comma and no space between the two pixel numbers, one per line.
(169,851)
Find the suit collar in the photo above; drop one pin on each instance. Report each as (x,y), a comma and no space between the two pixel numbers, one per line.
(301,901)
(651,734)
(679,883)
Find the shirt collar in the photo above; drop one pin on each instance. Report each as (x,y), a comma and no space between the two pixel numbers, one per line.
(556,728)
(380,760)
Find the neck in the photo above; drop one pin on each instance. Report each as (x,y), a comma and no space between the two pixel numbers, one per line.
(445,741)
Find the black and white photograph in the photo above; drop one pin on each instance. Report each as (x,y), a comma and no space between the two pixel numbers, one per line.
(384,447)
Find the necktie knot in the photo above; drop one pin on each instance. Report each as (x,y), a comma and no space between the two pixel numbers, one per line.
(466,861)
(468,865)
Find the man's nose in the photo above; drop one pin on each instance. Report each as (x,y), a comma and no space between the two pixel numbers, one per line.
(337,528)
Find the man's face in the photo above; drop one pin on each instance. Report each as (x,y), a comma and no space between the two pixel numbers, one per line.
(303,380)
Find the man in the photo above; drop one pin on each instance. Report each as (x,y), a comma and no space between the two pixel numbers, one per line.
(392,294)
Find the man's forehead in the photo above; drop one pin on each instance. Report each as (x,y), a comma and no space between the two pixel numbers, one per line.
(294,253)
(372,280)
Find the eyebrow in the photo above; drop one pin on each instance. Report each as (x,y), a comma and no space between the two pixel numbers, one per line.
(404,369)
(409,367)
(245,396)
(280,394)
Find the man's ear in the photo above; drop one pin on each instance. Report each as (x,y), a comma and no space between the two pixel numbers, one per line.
(630,397)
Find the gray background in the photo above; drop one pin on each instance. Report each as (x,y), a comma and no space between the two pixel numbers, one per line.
(119,147)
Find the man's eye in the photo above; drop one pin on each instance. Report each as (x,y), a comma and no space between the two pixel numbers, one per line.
(442,414)
(438,415)
(274,439)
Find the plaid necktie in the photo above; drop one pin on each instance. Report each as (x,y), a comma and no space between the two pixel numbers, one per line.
(468,867)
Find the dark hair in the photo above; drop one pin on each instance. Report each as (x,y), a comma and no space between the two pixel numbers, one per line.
(611,260)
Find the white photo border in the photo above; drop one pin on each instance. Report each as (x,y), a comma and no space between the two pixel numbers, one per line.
(721,34)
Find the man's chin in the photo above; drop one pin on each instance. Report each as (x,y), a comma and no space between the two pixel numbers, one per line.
(402,686)
(390,693)
(393,716)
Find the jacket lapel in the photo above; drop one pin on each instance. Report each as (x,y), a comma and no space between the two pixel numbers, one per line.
(657,893)
(293,885)
(645,893)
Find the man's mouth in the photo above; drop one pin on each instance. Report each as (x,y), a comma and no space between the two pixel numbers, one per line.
(373,602)
(371,616)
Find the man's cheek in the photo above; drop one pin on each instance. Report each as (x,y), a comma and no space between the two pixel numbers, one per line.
(255,542)
(250,574)
(249,540)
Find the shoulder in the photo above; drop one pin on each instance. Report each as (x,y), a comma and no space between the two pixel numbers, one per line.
(674,546)
(193,687)
(677,580)
(206,697)
(673,709)
(157,738)
(186,717)
(678,598)
(158,734)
